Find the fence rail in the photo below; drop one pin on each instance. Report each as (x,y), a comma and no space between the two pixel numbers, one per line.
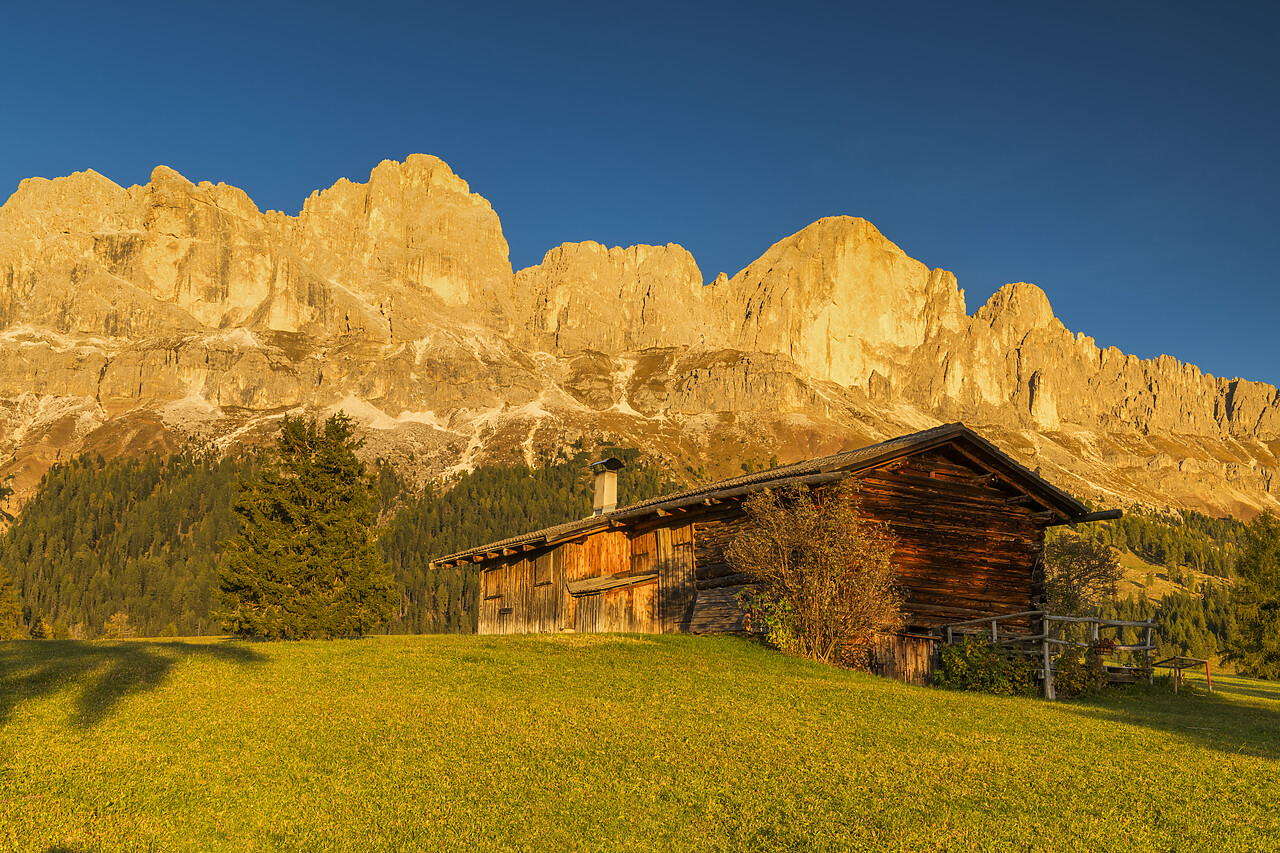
(1048,641)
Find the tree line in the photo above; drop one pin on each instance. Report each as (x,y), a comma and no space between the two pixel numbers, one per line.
(123,547)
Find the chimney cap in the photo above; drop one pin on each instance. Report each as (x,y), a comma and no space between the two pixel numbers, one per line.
(609,463)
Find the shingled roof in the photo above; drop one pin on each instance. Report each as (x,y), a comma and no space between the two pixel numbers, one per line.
(824,469)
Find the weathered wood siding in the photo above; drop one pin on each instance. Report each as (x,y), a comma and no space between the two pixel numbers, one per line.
(966,548)
(907,658)
(673,556)
(531,594)
(716,610)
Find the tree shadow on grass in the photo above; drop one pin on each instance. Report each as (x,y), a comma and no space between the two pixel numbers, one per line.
(1231,719)
(103,673)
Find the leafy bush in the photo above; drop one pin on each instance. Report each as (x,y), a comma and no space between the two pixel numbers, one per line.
(977,665)
(831,566)
(772,617)
(1079,671)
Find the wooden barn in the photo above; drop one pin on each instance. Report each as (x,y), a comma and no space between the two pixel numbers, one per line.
(969,521)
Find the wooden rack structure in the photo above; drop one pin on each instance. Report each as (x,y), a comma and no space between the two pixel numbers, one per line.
(1045,637)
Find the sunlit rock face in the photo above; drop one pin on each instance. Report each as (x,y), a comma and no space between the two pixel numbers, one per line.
(143,318)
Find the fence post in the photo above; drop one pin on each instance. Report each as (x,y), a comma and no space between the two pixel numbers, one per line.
(995,630)
(1048,671)
(1151,673)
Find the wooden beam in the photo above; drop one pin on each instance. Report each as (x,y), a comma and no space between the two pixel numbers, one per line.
(1007,480)
(508,552)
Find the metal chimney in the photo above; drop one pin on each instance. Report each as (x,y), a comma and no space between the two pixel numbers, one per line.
(606,499)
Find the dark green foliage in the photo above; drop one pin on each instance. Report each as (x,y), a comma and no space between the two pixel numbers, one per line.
(304,564)
(10,608)
(1078,671)
(1256,647)
(977,665)
(134,535)
(39,630)
(485,505)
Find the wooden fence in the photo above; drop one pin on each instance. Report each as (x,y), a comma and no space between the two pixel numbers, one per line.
(1051,638)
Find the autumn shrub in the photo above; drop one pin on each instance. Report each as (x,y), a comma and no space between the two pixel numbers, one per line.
(823,577)
(1080,573)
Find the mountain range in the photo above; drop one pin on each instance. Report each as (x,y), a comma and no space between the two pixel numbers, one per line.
(144,318)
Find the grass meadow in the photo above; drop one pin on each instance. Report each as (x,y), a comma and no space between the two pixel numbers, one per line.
(602,743)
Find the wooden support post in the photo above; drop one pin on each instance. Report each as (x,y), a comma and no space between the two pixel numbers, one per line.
(995,630)
(948,635)
(1048,671)
(1151,670)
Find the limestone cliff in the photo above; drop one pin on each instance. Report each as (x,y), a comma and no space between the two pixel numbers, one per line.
(584,296)
(134,319)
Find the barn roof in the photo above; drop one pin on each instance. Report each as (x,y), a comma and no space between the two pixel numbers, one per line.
(824,469)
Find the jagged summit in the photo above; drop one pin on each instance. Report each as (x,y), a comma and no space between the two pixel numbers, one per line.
(139,317)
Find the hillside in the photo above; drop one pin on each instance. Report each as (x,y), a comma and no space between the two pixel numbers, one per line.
(601,743)
(138,319)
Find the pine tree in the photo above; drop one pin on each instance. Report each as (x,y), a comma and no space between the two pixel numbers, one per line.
(304,564)
(1256,647)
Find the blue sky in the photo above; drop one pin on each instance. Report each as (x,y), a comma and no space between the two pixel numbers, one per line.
(1121,155)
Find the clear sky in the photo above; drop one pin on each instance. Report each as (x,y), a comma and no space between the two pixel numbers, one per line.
(1122,155)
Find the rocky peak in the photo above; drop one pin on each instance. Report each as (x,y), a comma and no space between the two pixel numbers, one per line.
(584,296)
(1019,307)
(841,300)
(415,225)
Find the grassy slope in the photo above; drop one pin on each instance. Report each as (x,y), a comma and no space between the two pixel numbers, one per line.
(600,743)
(1135,576)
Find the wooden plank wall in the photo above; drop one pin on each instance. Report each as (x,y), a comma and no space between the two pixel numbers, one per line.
(716,610)
(965,546)
(964,550)
(673,552)
(906,658)
(528,595)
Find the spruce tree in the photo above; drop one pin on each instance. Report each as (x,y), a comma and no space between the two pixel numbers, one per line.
(304,564)
(1255,650)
